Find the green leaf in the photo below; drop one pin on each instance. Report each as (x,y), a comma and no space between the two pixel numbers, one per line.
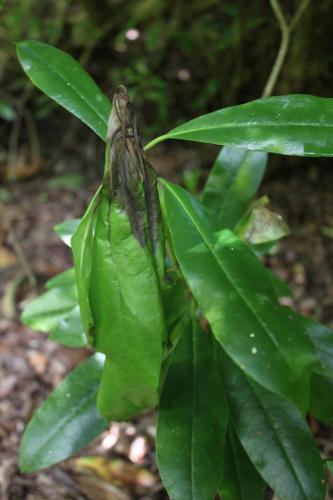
(69,331)
(66,421)
(44,312)
(275,436)
(57,311)
(82,246)
(129,321)
(234,291)
(241,481)
(66,230)
(322,339)
(191,178)
(66,278)
(232,183)
(281,288)
(321,401)
(192,420)
(62,78)
(300,125)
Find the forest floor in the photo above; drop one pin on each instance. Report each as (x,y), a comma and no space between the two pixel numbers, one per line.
(31,366)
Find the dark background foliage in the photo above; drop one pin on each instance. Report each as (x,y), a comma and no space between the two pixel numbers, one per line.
(179,59)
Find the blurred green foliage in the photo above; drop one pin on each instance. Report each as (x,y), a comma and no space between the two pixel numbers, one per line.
(179,59)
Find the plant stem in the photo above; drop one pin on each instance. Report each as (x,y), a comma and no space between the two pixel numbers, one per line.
(286,30)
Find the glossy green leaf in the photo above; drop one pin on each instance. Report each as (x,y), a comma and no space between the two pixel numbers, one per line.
(300,125)
(66,421)
(44,312)
(66,230)
(235,293)
(275,436)
(193,418)
(241,481)
(62,78)
(129,322)
(69,331)
(232,183)
(321,398)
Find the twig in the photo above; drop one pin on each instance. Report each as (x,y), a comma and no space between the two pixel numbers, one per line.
(33,136)
(19,104)
(10,294)
(286,30)
(298,14)
(18,249)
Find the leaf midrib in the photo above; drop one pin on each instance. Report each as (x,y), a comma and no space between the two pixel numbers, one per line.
(244,124)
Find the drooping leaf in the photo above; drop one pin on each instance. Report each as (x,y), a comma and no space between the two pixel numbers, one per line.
(66,230)
(62,78)
(299,125)
(321,400)
(241,481)
(129,322)
(275,436)
(192,420)
(235,293)
(126,272)
(66,421)
(232,183)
